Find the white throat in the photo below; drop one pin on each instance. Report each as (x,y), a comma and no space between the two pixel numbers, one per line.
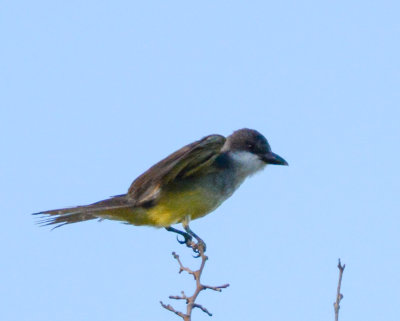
(246,163)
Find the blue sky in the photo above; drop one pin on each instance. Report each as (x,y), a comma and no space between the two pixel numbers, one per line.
(95,92)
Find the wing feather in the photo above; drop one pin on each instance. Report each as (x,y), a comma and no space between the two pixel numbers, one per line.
(184,162)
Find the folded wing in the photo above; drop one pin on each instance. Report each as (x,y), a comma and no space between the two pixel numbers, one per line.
(185,162)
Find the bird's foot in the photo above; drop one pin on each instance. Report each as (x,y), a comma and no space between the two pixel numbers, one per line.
(199,248)
(188,239)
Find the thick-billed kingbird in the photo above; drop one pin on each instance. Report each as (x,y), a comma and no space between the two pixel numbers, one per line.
(184,186)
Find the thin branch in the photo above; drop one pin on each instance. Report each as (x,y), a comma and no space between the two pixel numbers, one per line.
(179,297)
(216,288)
(191,301)
(339,296)
(181,267)
(195,305)
(170,308)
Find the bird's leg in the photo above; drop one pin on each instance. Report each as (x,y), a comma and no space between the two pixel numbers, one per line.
(201,245)
(187,236)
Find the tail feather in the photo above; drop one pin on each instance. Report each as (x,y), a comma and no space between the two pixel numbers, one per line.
(76,214)
(64,219)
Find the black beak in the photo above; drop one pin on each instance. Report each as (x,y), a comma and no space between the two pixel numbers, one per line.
(272,158)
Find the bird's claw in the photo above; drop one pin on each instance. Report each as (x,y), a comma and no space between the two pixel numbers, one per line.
(187,240)
(199,248)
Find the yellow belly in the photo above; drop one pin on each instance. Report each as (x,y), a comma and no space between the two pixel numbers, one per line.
(174,206)
(171,208)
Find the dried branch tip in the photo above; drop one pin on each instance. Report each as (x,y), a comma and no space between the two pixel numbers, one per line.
(339,296)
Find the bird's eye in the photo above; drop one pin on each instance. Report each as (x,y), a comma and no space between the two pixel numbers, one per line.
(250,146)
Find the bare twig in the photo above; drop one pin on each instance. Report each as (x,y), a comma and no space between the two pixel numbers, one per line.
(339,296)
(195,305)
(179,297)
(191,301)
(170,308)
(216,288)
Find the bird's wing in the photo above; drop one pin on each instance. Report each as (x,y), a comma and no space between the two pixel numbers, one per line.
(183,163)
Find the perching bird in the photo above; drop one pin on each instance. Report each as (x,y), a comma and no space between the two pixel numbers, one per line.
(186,185)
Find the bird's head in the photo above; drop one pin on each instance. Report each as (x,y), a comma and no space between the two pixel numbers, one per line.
(251,151)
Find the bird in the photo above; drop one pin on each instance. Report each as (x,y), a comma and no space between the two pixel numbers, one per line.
(186,185)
